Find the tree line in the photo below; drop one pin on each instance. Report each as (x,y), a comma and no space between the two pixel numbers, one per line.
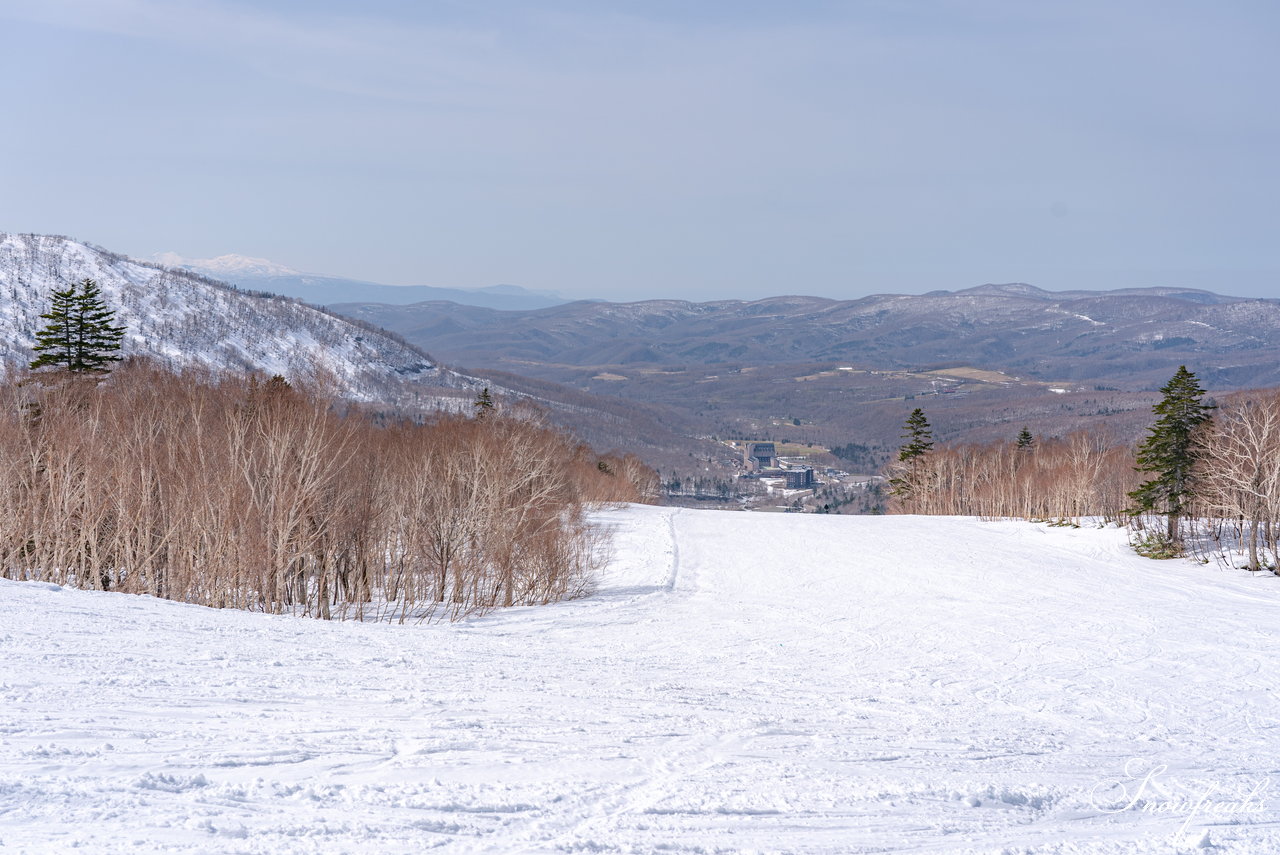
(1208,471)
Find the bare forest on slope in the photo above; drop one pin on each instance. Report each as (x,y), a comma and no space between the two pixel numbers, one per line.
(251,494)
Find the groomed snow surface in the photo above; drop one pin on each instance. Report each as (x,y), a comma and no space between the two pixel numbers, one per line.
(740,683)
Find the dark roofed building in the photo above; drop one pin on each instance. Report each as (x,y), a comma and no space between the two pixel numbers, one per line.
(760,455)
(799,479)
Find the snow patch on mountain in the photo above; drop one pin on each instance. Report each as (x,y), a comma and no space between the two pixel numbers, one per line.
(225,265)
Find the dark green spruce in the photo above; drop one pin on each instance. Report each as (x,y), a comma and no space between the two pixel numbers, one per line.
(80,336)
(483,404)
(919,442)
(1169,453)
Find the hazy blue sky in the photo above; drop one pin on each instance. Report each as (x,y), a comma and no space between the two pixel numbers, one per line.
(675,149)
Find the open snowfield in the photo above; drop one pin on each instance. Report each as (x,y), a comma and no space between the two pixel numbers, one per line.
(741,682)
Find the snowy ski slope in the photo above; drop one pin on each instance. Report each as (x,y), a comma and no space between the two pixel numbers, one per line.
(740,683)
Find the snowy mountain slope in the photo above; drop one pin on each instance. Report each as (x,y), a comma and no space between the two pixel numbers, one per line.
(187,320)
(770,683)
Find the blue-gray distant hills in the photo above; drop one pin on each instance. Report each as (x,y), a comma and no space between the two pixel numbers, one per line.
(982,362)
(328,291)
(1133,337)
(259,274)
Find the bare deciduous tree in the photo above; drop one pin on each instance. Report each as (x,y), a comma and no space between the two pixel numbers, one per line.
(1239,468)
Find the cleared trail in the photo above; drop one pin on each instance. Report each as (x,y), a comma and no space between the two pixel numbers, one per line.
(741,682)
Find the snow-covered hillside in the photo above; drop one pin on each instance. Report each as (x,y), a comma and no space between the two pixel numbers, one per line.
(740,683)
(186,320)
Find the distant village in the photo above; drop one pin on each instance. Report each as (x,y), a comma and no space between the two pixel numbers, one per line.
(761,460)
(793,484)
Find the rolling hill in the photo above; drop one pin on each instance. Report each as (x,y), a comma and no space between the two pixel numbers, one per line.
(1129,336)
(983,362)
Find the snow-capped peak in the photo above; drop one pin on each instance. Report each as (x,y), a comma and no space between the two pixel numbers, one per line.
(225,265)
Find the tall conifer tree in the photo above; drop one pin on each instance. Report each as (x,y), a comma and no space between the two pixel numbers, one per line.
(1169,453)
(80,335)
(919,442)
(483,404)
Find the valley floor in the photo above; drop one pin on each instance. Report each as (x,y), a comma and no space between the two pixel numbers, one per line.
(741,682)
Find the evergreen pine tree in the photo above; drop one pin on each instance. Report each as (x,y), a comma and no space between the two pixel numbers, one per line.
(1169,452)
(919,442)
(919,437)
(1026,442)
(80,336)
(484,403)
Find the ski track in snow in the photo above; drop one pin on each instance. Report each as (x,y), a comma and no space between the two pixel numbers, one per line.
(675,549)
(739,683)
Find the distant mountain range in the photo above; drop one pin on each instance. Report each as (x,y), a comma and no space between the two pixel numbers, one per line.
(259,274)
(1128,337)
